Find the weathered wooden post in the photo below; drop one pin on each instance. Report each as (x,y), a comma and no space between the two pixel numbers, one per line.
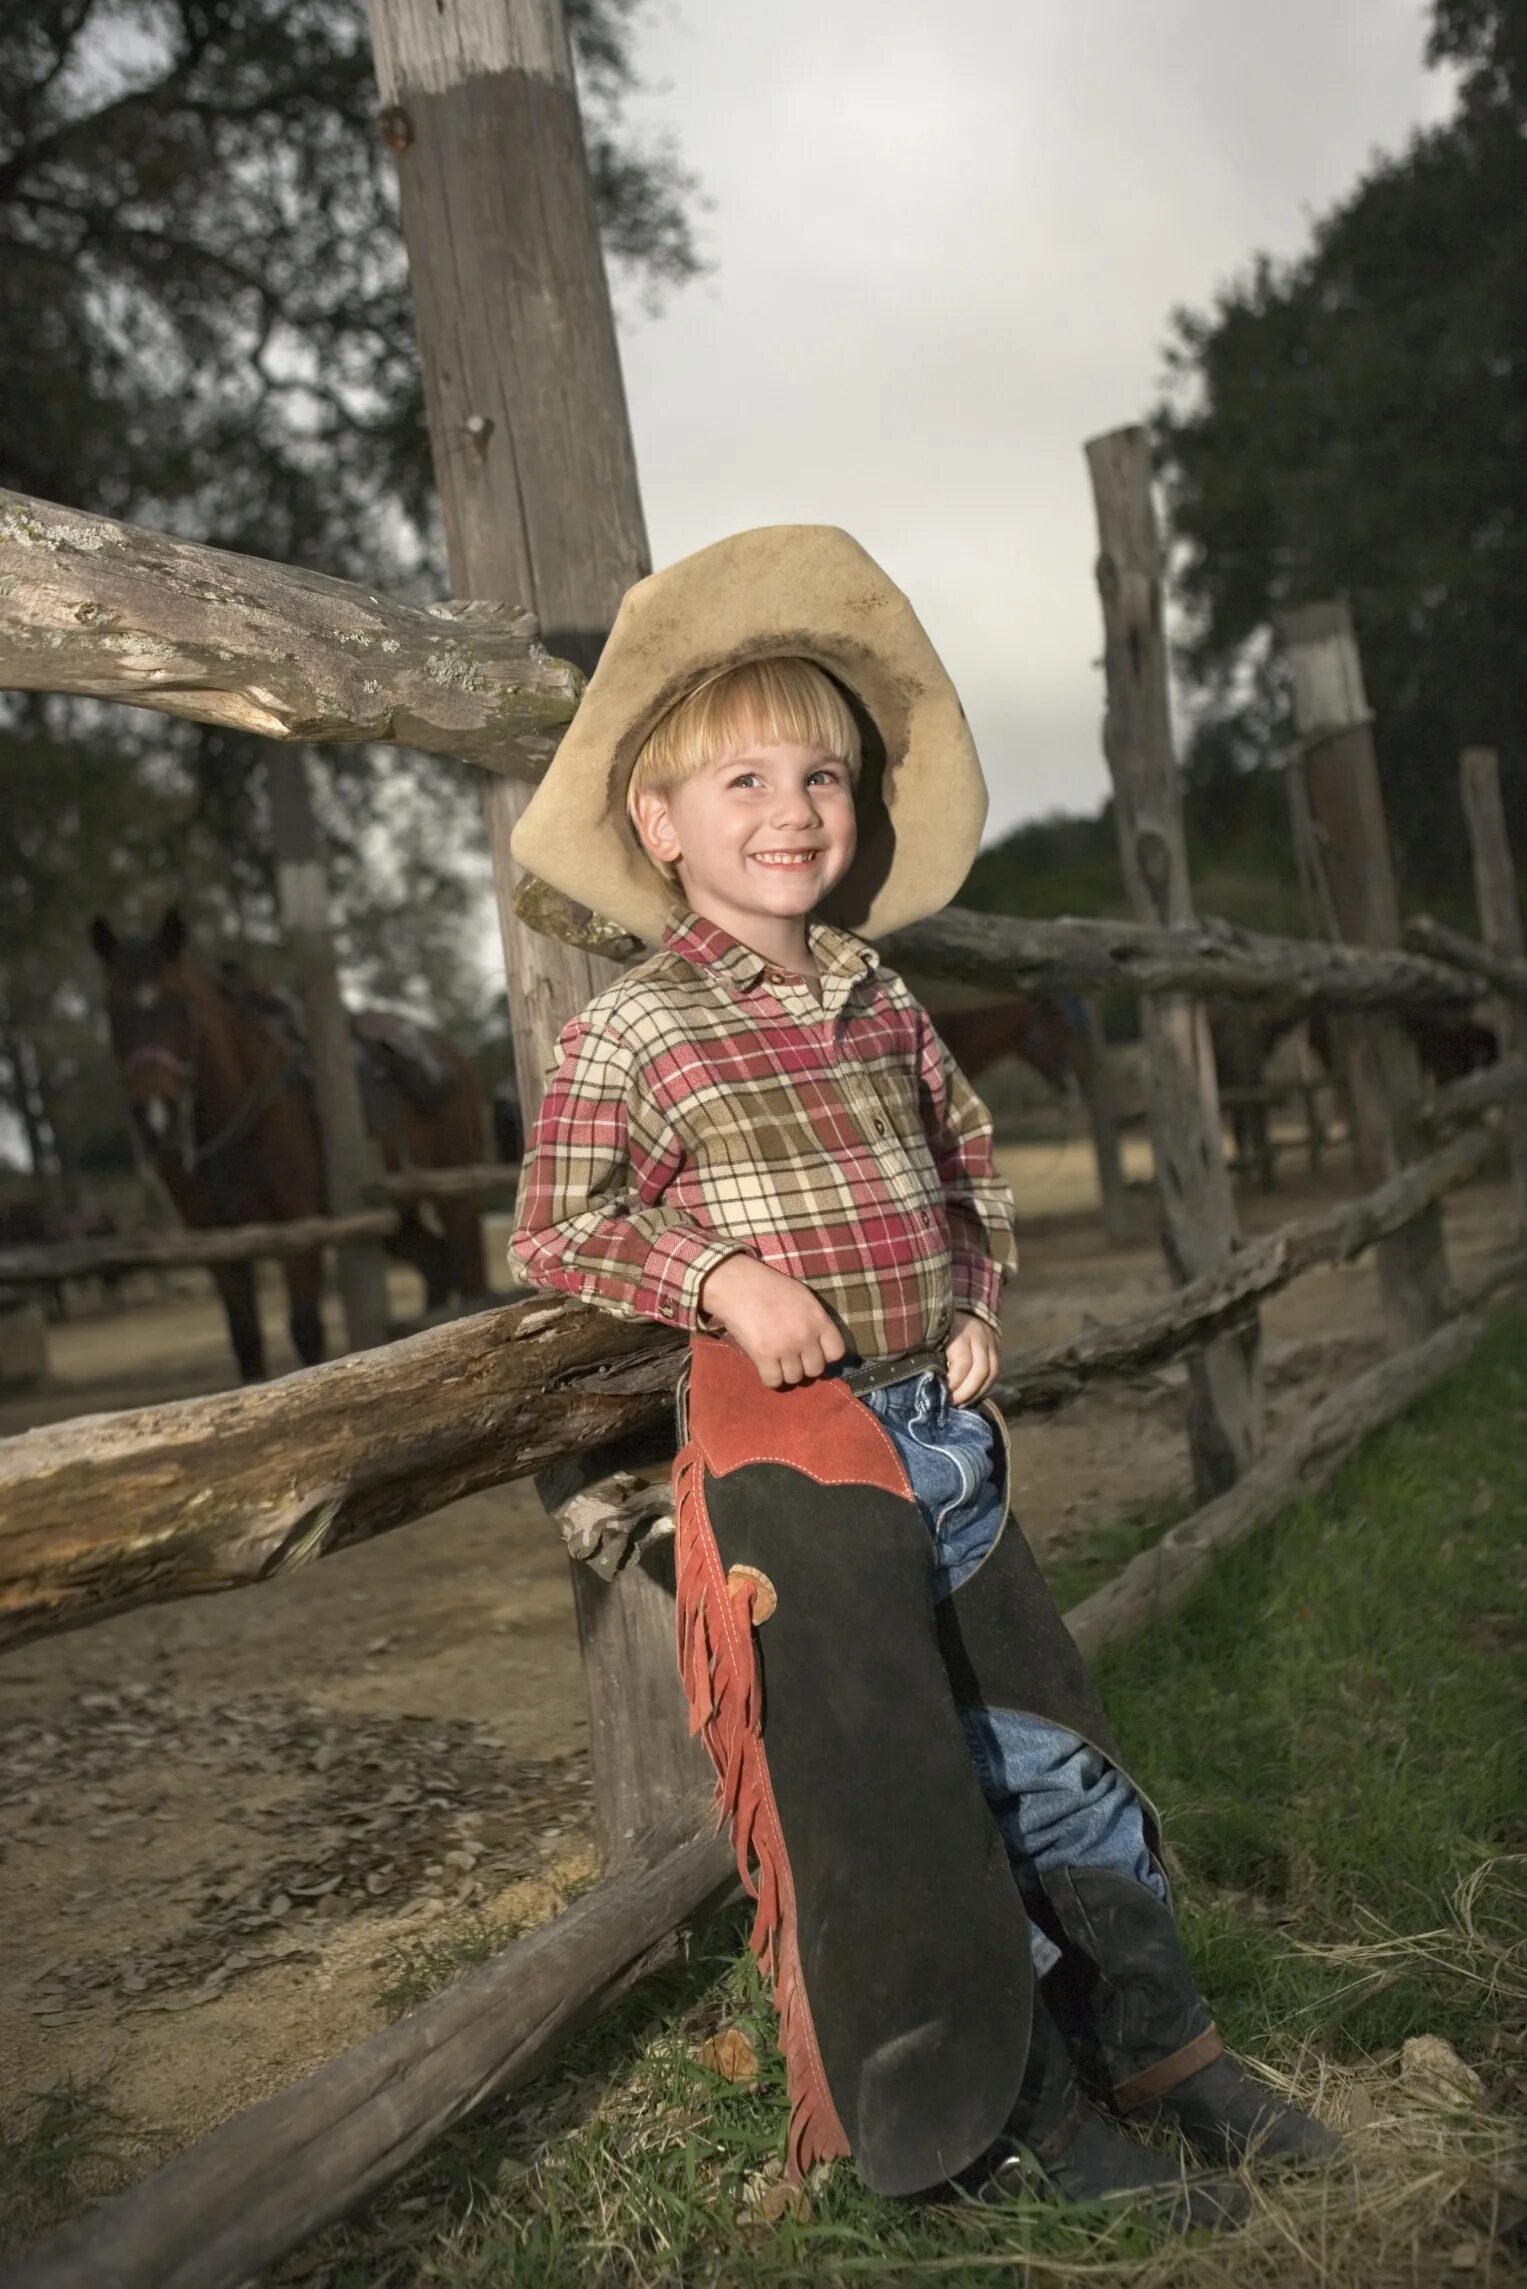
(1096,1079)
(1339,808)
(349,1158)
(1500,926)
(537,477)
(1199,1227)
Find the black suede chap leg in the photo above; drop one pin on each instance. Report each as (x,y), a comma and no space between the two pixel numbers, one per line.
(887,1914)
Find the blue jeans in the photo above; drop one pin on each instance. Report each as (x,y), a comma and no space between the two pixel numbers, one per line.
(1057,1802)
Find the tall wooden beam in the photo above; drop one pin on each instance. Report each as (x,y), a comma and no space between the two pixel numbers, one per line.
(350,1160)
(1098,1084)
(537,478)
(1339,819)
(1198,1209)
(1500,925)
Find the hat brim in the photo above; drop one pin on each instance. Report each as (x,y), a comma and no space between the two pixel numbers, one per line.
(807,590)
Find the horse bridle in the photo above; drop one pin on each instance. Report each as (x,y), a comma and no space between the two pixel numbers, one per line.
(263,1090)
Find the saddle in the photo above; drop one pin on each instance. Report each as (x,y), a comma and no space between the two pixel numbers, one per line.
(394,1056)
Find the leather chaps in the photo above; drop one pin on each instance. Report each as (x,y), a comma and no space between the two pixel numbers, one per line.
(827,1686)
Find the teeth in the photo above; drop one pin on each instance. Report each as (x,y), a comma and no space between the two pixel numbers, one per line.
(784,857)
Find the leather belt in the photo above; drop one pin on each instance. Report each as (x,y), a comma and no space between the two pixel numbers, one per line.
(876,1374)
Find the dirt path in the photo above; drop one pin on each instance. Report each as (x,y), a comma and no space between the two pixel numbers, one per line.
(225,1819)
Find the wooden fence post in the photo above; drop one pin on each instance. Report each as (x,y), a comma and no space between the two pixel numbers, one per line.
(1347,861)
(1199,1231)
(1098,1084)
(349,1158)
(1500,926)
(537,479)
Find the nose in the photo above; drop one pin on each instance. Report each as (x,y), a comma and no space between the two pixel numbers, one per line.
(796,808)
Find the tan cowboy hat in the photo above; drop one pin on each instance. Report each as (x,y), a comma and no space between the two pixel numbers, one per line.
(807,590)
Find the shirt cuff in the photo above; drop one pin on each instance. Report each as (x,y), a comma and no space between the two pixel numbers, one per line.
(677,1266)
(978,1289)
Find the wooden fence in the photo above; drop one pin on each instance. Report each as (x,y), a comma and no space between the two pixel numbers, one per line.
(110,1512)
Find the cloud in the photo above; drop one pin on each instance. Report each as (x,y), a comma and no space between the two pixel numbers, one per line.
(947,245)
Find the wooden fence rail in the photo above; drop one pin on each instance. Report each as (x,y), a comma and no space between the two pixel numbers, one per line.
(41,1264)
(171,1251)
(114,612)
(113,1511)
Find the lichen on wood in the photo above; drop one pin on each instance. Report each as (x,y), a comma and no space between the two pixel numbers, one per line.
(111,611)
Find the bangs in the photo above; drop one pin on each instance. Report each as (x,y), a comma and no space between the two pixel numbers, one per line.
(764,703)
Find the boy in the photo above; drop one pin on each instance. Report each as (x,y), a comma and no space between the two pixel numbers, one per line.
(756,1135)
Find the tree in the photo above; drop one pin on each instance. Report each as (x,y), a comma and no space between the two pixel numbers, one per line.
(1356,421)
(204,298)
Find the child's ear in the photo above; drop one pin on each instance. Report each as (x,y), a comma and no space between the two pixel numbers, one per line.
(654,824)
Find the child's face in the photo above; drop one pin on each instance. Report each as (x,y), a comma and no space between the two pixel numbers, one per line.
(764,831)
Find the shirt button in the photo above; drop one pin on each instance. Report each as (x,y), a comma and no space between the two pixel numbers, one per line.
(666,1309)
(880,1128)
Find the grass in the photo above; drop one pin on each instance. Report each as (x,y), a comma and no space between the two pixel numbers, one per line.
(1333,1728)
(1086,1564)
(63,2149)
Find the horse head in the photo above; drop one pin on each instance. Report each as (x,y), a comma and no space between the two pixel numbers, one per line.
(151,1010)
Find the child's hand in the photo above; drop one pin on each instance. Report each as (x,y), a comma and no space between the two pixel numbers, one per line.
(974,1356)
(786,1333)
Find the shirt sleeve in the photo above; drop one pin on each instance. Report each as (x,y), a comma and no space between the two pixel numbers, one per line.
(589,1217)
(977,1201)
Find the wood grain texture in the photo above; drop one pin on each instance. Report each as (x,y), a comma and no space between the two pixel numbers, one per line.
(112,1511)
(1345,856)
(1200,1230)
(1500,926)
(536,472)
(111,611)
(350,1157)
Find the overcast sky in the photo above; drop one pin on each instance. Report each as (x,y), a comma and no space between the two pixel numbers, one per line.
(947,241)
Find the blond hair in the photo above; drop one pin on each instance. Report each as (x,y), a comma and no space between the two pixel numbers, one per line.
(787,701)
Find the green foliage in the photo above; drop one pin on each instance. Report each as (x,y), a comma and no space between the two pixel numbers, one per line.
(1354,421)
(204,301)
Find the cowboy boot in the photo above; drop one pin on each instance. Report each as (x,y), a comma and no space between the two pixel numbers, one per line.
(1082,2157)
(1142,2034)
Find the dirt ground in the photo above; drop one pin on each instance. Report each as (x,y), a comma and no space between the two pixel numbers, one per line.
(226,1821)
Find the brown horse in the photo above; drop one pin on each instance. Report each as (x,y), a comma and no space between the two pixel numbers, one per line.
(218,1094)
(1025,1025)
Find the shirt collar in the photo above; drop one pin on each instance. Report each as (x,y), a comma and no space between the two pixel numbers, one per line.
(842,958)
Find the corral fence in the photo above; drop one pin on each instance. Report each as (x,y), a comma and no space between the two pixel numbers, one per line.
(110,1512)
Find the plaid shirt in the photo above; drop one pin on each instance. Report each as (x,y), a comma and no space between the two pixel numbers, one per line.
(709,1102)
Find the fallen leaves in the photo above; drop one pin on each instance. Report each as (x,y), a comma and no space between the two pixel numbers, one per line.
(732,2055)
(1433,2073)
(330,1815)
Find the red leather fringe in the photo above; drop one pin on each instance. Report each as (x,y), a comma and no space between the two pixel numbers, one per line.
(718,1663)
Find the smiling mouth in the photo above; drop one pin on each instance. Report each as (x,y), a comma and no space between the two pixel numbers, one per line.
(784,857)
